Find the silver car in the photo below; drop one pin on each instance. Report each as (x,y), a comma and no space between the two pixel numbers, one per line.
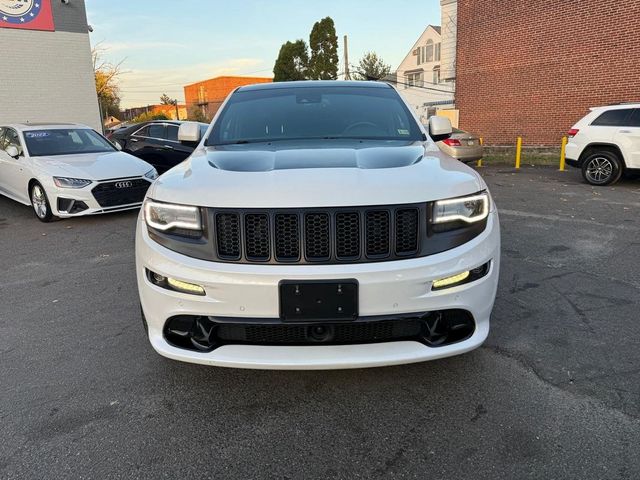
(462,146)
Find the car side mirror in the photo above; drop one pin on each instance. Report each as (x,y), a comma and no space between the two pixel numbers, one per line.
(13,151)
(439,128)
(117,145)
(189,132)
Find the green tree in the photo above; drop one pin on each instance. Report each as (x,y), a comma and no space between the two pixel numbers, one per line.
(167,100)
(148,116)
(323,42)
(371,67)
(197,115)
(292,62)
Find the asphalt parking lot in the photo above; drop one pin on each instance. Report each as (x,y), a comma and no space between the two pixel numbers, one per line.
(553,393)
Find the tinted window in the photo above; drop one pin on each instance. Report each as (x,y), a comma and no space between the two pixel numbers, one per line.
(634,121)
(302,113)
(172,133)
(613,118)
(65,141)
(156,131)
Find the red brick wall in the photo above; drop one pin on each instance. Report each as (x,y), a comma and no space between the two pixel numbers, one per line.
(534,67)
(217,89)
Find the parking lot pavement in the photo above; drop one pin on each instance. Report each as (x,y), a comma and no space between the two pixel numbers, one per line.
(554,392)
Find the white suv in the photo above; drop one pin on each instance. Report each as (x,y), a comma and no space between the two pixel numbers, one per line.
(317,226)
(606,143)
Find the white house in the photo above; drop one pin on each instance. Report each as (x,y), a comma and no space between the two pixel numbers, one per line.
(420,77)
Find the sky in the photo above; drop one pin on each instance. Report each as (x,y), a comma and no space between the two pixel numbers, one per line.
(164,45)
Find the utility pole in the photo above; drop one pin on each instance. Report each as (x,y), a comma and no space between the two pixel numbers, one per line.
(175,102)
(347,75)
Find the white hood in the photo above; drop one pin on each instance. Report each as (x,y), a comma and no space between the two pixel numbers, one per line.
(268,179)
(94,166)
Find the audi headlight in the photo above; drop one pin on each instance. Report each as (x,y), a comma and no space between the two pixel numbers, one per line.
(458,212)
(165,216)
(65,182)
(151,174)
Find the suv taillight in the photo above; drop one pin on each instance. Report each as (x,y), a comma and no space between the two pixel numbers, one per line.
(452,142)
(572,133)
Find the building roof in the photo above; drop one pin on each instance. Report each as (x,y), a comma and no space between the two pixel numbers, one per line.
(234,77)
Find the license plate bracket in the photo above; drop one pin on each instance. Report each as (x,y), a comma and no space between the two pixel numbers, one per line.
(318,300)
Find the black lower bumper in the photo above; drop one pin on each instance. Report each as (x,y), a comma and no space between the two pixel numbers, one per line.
(434,329)
(573,163)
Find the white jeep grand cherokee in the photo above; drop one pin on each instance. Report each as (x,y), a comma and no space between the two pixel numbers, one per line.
(317,226)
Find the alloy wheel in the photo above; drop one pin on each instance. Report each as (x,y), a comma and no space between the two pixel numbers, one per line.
(39,201)
(599,169)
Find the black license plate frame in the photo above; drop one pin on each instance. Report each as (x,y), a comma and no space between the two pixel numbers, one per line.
(319,300)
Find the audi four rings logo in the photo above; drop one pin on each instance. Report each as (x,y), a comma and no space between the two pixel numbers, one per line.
(124,184)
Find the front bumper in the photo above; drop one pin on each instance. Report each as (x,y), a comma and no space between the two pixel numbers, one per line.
(251,291)
(63,200)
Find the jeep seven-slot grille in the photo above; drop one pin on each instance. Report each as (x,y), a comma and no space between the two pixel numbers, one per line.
(331,235)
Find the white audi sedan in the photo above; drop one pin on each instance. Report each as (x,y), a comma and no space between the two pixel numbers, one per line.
(68,170)
(317,225)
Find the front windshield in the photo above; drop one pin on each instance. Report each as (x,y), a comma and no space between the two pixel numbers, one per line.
(305,113)
(65,141)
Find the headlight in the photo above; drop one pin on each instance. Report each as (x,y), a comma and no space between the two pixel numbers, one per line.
(164,216)
(65,182)
(151,174)
(460,211)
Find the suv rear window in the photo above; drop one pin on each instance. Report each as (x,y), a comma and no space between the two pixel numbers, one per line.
(613,118)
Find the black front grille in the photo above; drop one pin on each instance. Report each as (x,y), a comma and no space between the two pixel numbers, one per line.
(120,192)
(331,235)
(228,229)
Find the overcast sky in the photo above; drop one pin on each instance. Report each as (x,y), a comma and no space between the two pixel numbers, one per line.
(167,44)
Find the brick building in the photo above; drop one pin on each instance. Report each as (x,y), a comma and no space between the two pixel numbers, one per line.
(533,68)
(47,70)
(208,95)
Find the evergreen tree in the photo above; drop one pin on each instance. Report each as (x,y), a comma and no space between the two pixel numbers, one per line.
(292,62)
(323,64)
(371,67)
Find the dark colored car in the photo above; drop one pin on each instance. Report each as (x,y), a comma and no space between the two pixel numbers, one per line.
(155,142)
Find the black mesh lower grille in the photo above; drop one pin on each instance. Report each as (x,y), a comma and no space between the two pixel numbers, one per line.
(121,192)
(347,333)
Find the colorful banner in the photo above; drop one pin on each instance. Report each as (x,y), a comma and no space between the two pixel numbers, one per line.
(26,14)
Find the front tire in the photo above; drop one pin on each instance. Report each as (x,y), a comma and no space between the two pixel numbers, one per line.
(40,203)
(602,168)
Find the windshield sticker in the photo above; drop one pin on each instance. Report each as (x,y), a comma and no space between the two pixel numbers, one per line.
(36,134)
(402,131)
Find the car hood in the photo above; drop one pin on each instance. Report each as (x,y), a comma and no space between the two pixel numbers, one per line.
(94,166)
(341,173)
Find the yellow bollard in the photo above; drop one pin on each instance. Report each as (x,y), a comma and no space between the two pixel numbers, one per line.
(518,151)
(479,164)
(562,153)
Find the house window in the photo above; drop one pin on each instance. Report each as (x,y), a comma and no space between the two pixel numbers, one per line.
(428,56)
(436,75)
(438,48)
(415,79)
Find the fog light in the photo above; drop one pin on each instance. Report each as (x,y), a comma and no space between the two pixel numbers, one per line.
(449,281)
(461,278)
(173,284)
(185,287)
